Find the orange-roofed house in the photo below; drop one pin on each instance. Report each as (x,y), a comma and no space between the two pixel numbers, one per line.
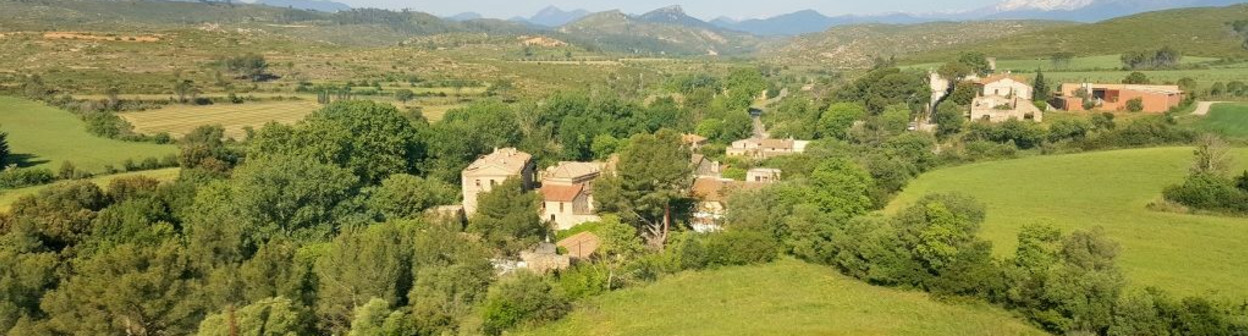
(493,169)
(1114,97)
(712,196)
(568,193)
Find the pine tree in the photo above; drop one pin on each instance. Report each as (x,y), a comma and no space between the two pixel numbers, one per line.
(4,148)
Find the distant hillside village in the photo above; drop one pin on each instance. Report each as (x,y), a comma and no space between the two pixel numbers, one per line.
(999,97)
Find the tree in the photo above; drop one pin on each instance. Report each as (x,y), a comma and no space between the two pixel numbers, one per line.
(653,173)
(523,299)
(403,196)
(4,148)
(838,119)
(184,89)
(977,62)
(251,65)
(130,290)
(1061,60)
(268,317)
(1213,158)
(841,189)
(1041,91)
(1136,59)
(204,149)
(376,318)
(362,264)
(371,139)
(949,119)
(963,94)
(1217,89)
(507,218)
(404,95)
(1136,78)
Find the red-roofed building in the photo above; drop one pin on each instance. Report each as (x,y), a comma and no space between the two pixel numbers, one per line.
(581,246)
(568,194)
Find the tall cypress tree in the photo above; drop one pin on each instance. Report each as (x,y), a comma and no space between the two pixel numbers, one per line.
(1042,92)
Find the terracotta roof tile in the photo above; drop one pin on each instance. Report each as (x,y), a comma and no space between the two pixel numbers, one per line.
(561,193)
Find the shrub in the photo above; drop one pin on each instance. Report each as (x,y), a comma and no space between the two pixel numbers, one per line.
(734,248)
(1209,192)
(524,299)
(585,280)
(1135,105)
(25,177)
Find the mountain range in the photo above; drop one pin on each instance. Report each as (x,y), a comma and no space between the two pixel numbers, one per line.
(316,5)
(811,21)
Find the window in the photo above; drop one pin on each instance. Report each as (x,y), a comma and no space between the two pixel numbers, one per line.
(478,183)
(560,207)
(493,183)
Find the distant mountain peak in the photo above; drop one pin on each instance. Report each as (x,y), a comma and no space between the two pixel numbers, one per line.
(1042,5)
(673,9)
(552,16)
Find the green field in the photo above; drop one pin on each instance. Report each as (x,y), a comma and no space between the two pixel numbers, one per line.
(7,197)
(1102,62)
(787,297)
(44,136)
(178,120)
(1186,254)
(1226,119)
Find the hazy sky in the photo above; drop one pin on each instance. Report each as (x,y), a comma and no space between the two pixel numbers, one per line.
(706,9)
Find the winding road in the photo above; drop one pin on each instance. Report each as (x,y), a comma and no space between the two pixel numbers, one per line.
(1202,108)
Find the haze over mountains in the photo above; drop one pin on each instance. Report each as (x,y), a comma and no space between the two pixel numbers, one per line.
(811,21)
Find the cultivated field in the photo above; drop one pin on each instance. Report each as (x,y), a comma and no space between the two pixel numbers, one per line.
(7,197)
(44,136)
(1102,62)
(1227,119)
(1185,254)
(178,120)
(787,297)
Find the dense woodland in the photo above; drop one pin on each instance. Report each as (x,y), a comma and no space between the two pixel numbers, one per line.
(322,227)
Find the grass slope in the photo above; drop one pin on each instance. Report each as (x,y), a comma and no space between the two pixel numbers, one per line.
(46,136)
(7,197)
(1226,119)
(1186,254)
(179,120)
(787,297)
(1194,31)
(1086,63)
(856,46)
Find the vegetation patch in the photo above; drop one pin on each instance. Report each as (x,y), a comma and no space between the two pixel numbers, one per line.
(1226,119)
(7,197)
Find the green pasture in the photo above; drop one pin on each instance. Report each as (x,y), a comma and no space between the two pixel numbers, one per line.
(1226,119)
(787,297)
(1101,63)
(46,137)
(1185,254)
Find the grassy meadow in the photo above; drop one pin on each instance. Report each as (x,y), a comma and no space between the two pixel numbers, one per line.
(787,297)
(7,197)
(178,120)
(1101,62)
(1226,119)
(1185,254)
(44,136)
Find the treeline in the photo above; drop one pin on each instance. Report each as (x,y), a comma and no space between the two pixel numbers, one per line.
(1166,57)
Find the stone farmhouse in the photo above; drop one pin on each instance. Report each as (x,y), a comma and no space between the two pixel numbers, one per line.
(1114,97)
(693,141)
(712,195)
(493,169)
(1004,97)
(568,193)
(763,148)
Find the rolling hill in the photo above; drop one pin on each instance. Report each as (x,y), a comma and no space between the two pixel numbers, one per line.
(1193,31)
(666,31)
(787,297)
(856,46)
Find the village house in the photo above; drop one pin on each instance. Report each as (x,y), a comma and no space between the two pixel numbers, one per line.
(493,169)
(1114,97)
(581,246)
(763,175)
(568,193)
(762,148)
(712,196)
(705,167)
(1004,97)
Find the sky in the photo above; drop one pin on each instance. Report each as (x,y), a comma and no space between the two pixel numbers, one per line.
(705,9)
